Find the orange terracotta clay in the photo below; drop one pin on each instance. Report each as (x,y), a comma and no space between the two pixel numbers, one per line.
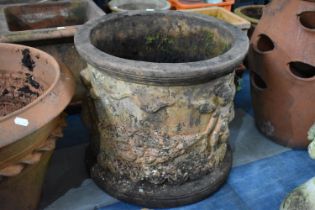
(282,64)
(33,94)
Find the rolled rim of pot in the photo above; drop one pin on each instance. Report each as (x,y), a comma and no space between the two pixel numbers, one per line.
(147,5)
(240,11)
(197,48)
(42,72)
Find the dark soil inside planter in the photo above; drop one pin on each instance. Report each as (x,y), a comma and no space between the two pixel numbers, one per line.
(17,90)
(142,38)
(255,13)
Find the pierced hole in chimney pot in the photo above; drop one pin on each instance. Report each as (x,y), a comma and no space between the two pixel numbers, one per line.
(264,43)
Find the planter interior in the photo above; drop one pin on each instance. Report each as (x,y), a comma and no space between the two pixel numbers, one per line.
(155,104)
(159,44)
(38,16)
(18,87)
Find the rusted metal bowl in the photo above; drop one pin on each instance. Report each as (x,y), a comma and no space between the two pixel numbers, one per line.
(33,94)
(160,99)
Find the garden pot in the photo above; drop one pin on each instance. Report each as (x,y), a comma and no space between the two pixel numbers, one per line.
(149,5)
(33,94)
(50,26)
(194,4)
(160,100)
(303,196)
(223,14)
(252,13)
(282,72)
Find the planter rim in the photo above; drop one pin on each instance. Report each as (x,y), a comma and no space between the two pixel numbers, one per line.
(48,105)
(162,73)
(238,11)
(116,7)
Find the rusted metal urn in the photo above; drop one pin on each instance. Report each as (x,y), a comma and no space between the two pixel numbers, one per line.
(33,94)
(162,90)
(282,64)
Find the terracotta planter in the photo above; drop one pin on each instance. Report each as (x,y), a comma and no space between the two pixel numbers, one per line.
(147,5)
(33,94)
(282,68)
(50,26)
(252,13)
(161,100)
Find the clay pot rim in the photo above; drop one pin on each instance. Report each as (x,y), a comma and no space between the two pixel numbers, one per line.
(162,73)
(239,12)
(117,8)
(62,88)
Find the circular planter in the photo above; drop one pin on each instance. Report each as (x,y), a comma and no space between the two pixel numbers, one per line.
(252,13)
(161,98)
(282,66)
(303,196)
(127,5)
(33,94)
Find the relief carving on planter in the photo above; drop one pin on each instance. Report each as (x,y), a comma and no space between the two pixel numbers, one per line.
(140,135)
(160,100)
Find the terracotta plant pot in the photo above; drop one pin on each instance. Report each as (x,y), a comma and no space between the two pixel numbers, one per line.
(127,5)
(33,94)
(50,26)
(161,100)
(282,64)
(252,13)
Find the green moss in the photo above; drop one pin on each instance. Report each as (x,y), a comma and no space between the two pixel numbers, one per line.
(198,45)
(149,39)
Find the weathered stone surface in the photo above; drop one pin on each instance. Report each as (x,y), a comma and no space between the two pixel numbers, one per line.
(162,133)
(161,98)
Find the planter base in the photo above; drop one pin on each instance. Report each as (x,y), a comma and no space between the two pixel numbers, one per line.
(163,196)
